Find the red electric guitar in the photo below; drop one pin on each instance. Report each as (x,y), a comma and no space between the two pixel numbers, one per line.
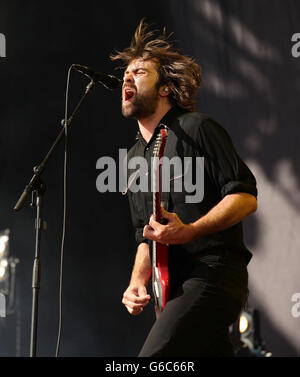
(160,272)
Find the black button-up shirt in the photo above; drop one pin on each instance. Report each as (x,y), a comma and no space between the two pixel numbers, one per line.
(193,135)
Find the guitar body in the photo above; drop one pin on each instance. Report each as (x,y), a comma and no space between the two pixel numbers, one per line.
(160,271)
(160,278)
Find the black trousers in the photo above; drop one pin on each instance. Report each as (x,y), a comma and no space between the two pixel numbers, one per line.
(208,298)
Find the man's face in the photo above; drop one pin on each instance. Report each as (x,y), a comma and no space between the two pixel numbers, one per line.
(139,94)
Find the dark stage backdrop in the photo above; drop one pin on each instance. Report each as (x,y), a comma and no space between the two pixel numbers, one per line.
(251,85)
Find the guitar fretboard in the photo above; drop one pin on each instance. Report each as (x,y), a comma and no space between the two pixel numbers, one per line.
(156,175)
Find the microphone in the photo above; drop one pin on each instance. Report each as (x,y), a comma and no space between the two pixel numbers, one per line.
(109,81)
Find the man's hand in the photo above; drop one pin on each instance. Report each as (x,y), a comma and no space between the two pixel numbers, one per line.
(232,209)
(175,232)
(135,298)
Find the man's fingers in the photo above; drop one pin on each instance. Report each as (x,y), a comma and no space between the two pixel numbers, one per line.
(147,230)
(154,224)
(134,311)
(135,304)
(164,212)
(154,227)
(168,215)
(136,299)
(131,304)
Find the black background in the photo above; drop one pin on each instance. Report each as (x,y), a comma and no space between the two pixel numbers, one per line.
(250,85)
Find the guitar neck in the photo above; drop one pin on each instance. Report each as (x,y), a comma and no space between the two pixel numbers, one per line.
(156,170)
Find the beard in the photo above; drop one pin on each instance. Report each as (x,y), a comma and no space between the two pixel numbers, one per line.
(142,105)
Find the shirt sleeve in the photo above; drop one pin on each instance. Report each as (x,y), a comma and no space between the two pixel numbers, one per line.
(224,165)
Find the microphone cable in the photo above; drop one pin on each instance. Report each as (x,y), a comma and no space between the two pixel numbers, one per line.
(64,212)
(65,124)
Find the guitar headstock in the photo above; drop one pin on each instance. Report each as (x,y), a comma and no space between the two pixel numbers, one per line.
(160,142)
(158,153)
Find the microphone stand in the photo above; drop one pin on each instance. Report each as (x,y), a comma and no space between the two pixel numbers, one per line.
(37,188)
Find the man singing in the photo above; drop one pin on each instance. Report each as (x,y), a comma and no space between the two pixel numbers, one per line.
(207,256)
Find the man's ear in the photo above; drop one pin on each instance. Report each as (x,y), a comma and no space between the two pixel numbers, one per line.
(164,91)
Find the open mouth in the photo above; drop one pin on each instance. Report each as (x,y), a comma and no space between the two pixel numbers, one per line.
(128,93)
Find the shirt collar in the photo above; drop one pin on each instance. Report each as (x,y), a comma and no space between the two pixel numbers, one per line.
(166,120)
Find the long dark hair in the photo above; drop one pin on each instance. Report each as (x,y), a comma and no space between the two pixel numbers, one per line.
(180,72)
